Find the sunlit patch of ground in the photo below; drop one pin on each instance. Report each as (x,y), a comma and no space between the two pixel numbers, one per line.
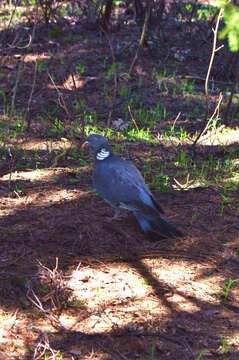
(225,136)
(41,188)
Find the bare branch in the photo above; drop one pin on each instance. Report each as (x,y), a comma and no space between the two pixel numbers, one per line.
(214,49)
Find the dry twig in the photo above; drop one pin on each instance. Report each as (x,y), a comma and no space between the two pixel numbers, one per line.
(30,97)
(142,39)
(214,50)
(18,77)
(61,100)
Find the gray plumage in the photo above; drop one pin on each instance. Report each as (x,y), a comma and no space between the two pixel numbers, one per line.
(121,184)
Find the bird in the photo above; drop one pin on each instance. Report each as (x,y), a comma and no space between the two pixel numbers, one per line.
(120,183)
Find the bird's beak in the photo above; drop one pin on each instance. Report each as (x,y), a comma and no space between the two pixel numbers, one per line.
(85,145)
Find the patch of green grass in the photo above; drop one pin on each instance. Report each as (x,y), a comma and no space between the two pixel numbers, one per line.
(152,354)
(124,91)
(200,355)
(11,128)
(232,183)
(228,286)
(5,15)
(195,113)
(187,7)
(160,182)
(225,202)
(118,148)
(221,173)
(76,304)
(62,61)
(112,70)
(167,82)
(149,118)
(131,134)
(183,159)
(188,87)
(71,38)
(43,288)
(55,33)
(80,105)
(41,66)
(107,132)
(139,134)
(225,347)
(83,162)
(18,127)
(81,69)
(57,356)
(58,128)
(75,153)
(72,181)
(206,12)
(194,217)
(6,107)
(175,132)
(90,117)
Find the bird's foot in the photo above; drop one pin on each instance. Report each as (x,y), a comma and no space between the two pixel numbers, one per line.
(118,215)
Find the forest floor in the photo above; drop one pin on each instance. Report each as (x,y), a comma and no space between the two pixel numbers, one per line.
(76,284)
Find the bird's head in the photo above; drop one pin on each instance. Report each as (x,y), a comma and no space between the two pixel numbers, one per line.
(99,146)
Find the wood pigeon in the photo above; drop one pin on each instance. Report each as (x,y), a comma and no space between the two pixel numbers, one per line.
(120,183)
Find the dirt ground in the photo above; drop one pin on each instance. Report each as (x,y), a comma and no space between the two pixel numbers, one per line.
(124,297)
(76,284)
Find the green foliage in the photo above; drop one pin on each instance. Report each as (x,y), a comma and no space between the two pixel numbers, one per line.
(124,91)
(201,354)
(58,127)
(149,118)
(139,134)
(188,7)
(152,354)
(183,159)
(57,356)
(205,12)
(188,87)
(79,105)
(41,66)
(3,96)
(76,304)
(225,346)
(161,182)
(231,29)
(225,202)
(113,69)
(175,132)
(118,2)
(228,286)
(81,69)
(90,117)
(84,114)
(56,32)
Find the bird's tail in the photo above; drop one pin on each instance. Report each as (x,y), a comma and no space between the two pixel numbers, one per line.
(157,224)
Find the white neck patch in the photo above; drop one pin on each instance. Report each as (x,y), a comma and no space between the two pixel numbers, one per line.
(103,154)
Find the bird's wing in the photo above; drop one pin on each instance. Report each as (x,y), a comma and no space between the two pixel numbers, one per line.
(145,194)
(122,184)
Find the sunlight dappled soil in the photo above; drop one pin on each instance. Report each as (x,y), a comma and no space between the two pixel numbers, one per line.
(127,297)
(76,284)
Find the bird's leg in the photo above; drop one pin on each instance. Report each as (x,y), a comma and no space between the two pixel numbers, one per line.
(118,214)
